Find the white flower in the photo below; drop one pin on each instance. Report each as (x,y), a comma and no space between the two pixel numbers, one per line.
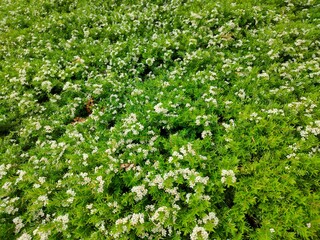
(18,222)
(272,230)
(71,192)
(42,180)
(101,184)
(6,185)
(44,199)
(137,218)
(140,191)
(241,94)
(25,236)
(37,125)
(46,85)
(263,75)
(228,173)
(136,92)
(211,216)
(159,109)
(156,215)
(206,133)
(3,171)
(199,232)
(150,61)
(63,219)
(21,174)
(42,235)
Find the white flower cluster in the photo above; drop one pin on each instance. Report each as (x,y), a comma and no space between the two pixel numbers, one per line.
(25,236)
(315,150)
(3,169)
(209,97)
(285,88)
(159,109)
(72,195)
(136,92)
(98,89)
(205,120)
(184,151)
(160,215)
(140,192)
(63,220)
(211,217)
(46,85)
(137,218)
(133,219)
(91,208)
(71,86)
(305,105)
(21,174)
(255,117)
(86,179)
(19,224)
(7,205)
(199,233)
(37,125)
(263,75)
(206,133)
(312,128)
(75,134)
(113,205)
(43,199)
(150,61)
(190,175)
(6,185)
(78,59)
(42,235)
(228,173)
(241,94)
(101,184)
(132,125)
(274,111)
(229,126)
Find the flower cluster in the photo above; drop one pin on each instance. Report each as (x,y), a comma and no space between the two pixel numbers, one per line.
(226,174)
(199,233)
(140,192)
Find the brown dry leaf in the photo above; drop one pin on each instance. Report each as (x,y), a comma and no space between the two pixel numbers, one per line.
(126,166)
(78,119)
(89,105)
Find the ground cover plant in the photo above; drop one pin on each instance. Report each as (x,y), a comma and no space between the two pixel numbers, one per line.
(159,119)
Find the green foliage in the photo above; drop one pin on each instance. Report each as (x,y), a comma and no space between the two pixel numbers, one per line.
(159,119)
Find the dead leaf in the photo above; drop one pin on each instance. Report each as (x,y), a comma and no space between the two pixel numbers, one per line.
(78,119)
(126,166)
(89,105)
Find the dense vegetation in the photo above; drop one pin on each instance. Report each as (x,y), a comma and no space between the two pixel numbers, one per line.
(159,119)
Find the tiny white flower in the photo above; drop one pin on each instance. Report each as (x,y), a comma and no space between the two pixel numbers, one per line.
(140,192)
(25,236)
(228,173)
(199,232)
(159,109)
(150,61)
(46,85)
